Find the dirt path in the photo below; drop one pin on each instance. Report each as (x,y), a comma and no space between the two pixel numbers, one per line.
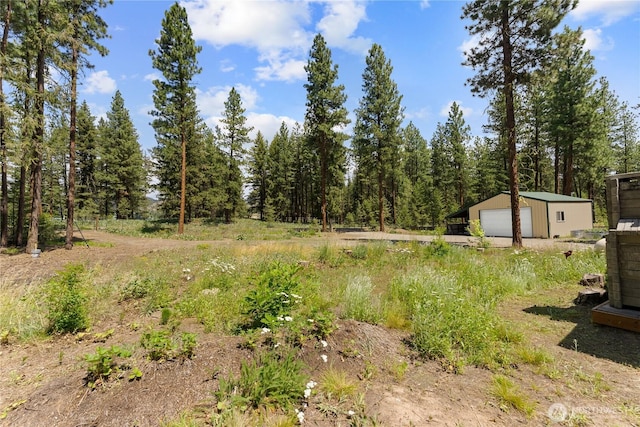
(110,249)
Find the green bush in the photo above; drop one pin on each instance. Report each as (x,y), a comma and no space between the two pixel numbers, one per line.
(136,289)
(272,381)
(66,301)
(158,344)
(273,298)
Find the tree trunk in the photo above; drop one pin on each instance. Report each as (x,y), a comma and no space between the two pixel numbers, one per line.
(323,183)
(21,198)
(4,191)
(511,127)
(381,197)
(567,175)
(556,167)
(38,136)
(183,183)
(71,191)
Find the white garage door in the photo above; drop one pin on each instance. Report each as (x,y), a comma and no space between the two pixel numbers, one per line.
(497,222)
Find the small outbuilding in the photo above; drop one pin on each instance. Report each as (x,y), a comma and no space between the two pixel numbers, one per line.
(542,214)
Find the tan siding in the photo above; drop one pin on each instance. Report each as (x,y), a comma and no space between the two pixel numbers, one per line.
(577,216)
(503,201)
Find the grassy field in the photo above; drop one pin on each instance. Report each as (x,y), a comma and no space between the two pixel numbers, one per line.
(283,295)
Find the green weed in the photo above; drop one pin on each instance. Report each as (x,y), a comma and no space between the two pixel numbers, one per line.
(270,381)
(66,300)
(510,396)
(103,363)
(273,298)
(360,303)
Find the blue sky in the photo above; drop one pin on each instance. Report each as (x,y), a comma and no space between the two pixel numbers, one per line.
(261,46)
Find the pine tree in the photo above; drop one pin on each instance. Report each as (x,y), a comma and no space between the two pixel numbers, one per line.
(234,136)
(626,140)
(87,161)
(174,98)
(281,174)
(258,174)
(85,28)
(379,117)
(571,112)
(457,138)
(325,113)
(4,158)
(514,37)
(123,168)
(417,164)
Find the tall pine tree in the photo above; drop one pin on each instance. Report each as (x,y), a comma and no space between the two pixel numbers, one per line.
(325,115)
(234,135)
(379,117)
(174,98)
(513,39)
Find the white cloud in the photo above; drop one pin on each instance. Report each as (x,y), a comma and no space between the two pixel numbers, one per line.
(151,77)
(268,124)
(340,22)
(609,12)
(421,114)
(469,44)
(594,40)
(227,65)
(99,82)
(98,111)
(211,102)
(424,4)
(144,110)
(277,29)
(259,24)
(466,111)
(281,68)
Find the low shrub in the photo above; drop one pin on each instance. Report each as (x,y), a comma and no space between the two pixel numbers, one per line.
(271,381)
(66,301)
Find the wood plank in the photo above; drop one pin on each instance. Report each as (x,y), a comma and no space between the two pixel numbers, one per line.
(630,291)
(631,301)
(627,265)
(629,186)
(629,208)
(605,314)
(629,278)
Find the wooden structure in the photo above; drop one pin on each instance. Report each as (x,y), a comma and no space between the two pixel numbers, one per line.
(623,318)
(623,240)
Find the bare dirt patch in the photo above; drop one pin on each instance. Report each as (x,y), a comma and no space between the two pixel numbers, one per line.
(594,376)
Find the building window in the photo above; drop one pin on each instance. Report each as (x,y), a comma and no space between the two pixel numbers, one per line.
(559,216)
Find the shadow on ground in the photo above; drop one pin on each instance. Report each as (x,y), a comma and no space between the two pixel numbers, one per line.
(601,341)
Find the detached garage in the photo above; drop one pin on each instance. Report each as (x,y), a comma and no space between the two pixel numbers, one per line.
(542,215)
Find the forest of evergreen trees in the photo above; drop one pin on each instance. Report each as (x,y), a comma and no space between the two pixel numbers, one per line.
(568,129)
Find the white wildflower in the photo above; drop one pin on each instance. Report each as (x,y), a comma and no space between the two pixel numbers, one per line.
(324,343)
(288,318)
(323,357)
(300,415)
(265,330)
(310,320)
(186,270)
(311,384)
(307,393)
(280,318)
(350,413)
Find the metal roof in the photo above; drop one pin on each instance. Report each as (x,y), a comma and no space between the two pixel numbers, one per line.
(549,197)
